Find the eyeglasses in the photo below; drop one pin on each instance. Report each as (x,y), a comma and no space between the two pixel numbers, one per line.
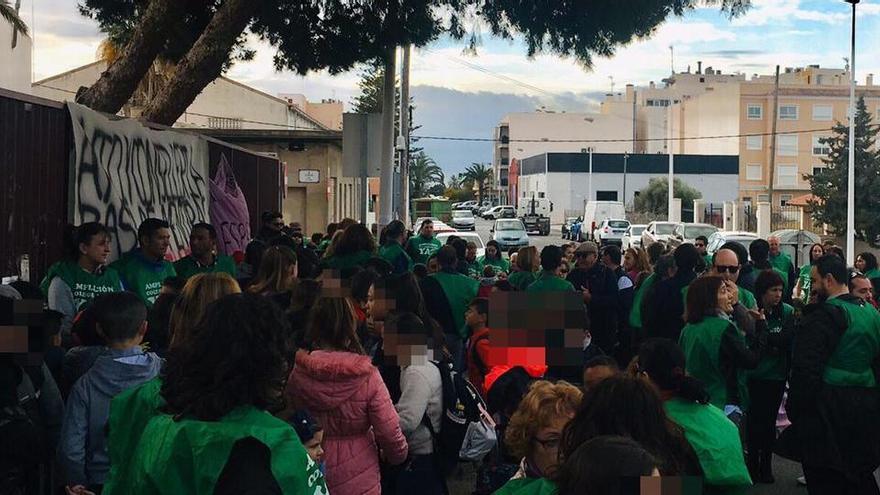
(727,269)
(855,274)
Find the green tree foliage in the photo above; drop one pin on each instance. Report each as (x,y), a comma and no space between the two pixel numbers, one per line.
(10,15)
(424,174)
(654,198)
(480,174)
(829,186)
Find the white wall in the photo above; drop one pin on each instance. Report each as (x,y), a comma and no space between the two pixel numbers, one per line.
(562,126)
(63,87)
(15,64)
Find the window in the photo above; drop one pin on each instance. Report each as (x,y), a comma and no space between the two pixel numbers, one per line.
(606,195)
(787,145)
(784,199)
(820,149)
(224,123)
(817,169)
(754,142)
(786,175)
(541,195)
(763,198)
(822,112)
(754,172)
(788,112)
(755,112)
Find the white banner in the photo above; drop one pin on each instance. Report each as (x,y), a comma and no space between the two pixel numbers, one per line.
(125,172)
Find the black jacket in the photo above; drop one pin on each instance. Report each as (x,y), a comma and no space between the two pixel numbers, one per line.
(832,427)
(665,307)
(736,356)
(603,307)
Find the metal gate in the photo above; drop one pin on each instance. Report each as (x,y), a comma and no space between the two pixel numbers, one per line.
(714,215)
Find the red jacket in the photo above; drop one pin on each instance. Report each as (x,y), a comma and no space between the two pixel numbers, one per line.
(345,393)
(486,363)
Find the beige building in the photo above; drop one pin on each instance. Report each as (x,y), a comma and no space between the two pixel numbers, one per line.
(306,137)
(15,61)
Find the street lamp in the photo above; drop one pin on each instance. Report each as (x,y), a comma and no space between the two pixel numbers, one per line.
(851,172)
(625,158)
(590,176)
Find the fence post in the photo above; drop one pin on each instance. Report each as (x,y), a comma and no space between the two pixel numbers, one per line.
(676,210)
(737,215)
(729,215)
(763,215)
(699,211)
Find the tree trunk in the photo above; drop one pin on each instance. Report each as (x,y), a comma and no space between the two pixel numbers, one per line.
(121,79)
(202,64)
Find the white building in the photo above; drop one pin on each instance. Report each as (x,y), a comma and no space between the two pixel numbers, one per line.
(15,59)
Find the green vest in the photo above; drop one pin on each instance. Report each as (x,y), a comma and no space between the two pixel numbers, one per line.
(774,367)
(187,456)
(850,364)
(782,262)
(521,280)
(85,286)
(188,266)
(391,251)
(424,247)
(528,486)
(701,343)
(747,299)
(806,282)
(130,411)
(345,261)
(550,283)
(475,269)
(460,290)
(715,440)
(500,263)
(143,277)
(635,315)
(322,246)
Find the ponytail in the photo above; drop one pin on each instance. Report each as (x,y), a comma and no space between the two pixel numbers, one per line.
(664,362)
(693,390)
(74,236)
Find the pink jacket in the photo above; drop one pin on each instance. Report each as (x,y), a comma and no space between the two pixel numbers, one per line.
(345,393)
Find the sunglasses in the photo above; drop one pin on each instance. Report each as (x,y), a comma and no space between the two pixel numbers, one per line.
(855,274)
(727,269)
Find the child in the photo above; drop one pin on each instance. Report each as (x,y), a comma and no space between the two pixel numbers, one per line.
(310,434)
(487,282)
(121,321)
(478,351)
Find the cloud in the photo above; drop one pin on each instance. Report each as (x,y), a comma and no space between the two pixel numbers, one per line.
(764,12)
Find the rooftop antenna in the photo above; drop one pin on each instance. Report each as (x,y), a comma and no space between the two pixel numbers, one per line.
(672,59)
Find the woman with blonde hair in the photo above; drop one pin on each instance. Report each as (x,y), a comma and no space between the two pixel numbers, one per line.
(200,291)
(636,262)
(528,262)
(277,275)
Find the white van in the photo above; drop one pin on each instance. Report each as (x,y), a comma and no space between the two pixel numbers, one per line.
(596,211)
(543,207)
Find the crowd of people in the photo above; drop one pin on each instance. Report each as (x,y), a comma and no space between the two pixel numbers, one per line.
(350,363)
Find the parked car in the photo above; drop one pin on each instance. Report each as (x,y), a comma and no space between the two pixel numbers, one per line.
(722,237)
(688,232)
(439,225)
(467,237)
(500,211)
(510,233)
(482,210)
(596,211)
(632,237)
(467,205)
(657,231)
(463,220)
(610,231)
(566,227)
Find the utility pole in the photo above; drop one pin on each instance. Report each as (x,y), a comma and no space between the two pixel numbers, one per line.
(851,172)
(386,186)
(635,98)
(404,136)
(773,138)
(625,158)
(590,177)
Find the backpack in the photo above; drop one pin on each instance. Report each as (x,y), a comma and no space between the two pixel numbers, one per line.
(467,427)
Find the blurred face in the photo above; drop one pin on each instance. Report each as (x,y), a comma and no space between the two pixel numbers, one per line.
(701,246)
(860,264)
(433,265)
(368,305)
(157,245)
(585,260)
(726,265)
(725,303)
(593,376)
(428,230)
(818,284)
(862,288)
(474,319)
(545,448)
(629,262)
(513,260)
(568,253)
(471,254)
(773,297)
(491,251)
(774,246)
(97,251)
(275,224)
(313,447)
(380,305)
(563,270)
(200,242)
(816,252)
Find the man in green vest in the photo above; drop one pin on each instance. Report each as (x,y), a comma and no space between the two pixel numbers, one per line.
(203,257)
(448,294)
(422,246)
(701,243)
(143,270)
(391,249)
(726,265)
(549,279)
(832,399)
(782,262)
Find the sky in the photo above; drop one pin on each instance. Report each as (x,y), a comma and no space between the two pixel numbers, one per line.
(452,98)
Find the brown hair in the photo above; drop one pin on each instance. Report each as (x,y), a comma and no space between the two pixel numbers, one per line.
(527,259)
(332,325)
(199,291)
(702,298)
(643,263)
(544,403)
(274,273)
(355,238)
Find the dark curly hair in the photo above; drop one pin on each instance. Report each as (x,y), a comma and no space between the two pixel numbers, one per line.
(630,407)
(240,356)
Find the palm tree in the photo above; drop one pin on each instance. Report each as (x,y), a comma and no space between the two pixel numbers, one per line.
(10,14)
(423,173)
(479,173)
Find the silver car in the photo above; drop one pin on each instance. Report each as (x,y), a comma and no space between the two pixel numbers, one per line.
(632,237)
(610,231)
(657,232)
(688,233)
(510,233)
(463,220)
